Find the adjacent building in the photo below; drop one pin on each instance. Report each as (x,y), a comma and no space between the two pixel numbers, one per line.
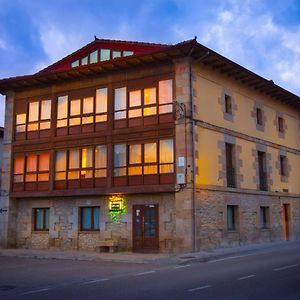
(168,148)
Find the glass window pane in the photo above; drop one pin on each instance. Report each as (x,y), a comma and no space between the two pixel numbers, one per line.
(86,218)
(120,98)
(127,53)
(88,105)
(74,159)
(135,154)
(100,156)
(61,160)
(75,63)
(150,169)
(46,110)
(44,125)
(120,115)
(33,126)
(88,120)
(61,123)
(134,113)
(101,118)
(47,218)
(73,175)
(43,177)
(74,121)
(135,171)
(120,155)
(100,173)
(166,151)
(150,153)
(62,107)
(21,119)
(84,60)
(104,54)
(19,165)
(120,172)
(116,54)
(94,57)
(165,91)
(75,109)
(33,111)
(101,100)
(149,111)
(168,168)
(135,98)
(149,96)
(31,163)
(96,218)
(163,109)
(39,219)
(87,158)
(44,162)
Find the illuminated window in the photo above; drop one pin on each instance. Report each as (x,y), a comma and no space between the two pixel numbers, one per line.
(150,158)
(75,63)
(166,156)
(150,102)
(62,111)
(120,161)
(165,96)
(73,172)
(41,219)
(94,57)
(44,167)
(39,115)
(90,218)
(75,112)
(19,169)
(60,165)
(88,110)
(120,103)
(116,54)
(135,160)
(135,102)
(101,105)
(20,122)
(87,162)
(104,54)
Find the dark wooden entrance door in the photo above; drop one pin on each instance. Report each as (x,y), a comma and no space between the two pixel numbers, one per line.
(286,221)
(145,228)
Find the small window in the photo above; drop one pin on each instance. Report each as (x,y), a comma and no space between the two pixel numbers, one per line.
(120,103)
(228,104)
(100,161)
(62,111)
(259,116)
(20,122)
(104,54)
(84,61)
(101,105)
(19,169)
(230,165)
(232,217)
(127,53)
(60,165)
(120,160)
(165,96)
(135,160)
(75,63)
(90,218)
(116,54)
(283,165)
(281,124)
(41,219)
(166,156)
(264,217)
(94,57)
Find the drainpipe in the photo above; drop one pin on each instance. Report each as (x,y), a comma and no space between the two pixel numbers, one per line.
(193,144)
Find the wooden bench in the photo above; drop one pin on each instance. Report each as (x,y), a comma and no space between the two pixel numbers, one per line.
(110,246)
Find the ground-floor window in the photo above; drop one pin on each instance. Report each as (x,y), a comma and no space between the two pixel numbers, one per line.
(232,211)
(41,218)
(90,218)
(264,217)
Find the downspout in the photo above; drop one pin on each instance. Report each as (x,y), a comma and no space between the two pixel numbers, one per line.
(193,144)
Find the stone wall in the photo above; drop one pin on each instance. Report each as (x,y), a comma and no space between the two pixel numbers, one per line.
(64,230)
(212,218)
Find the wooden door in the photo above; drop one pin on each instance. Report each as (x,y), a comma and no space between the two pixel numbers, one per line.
(286,221)
(145,228)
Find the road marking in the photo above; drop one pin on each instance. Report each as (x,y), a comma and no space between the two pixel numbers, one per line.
(199,288)
(95,281)
(183,266)
(246,277)
(286,267)
(228,258)
(145,273)
(36,291)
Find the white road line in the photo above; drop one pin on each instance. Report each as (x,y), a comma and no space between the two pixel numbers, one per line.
(145,273)
(286,267)
(95,281)
(228,258)
(183,266)
(36,291)
(199,288)
(246,277)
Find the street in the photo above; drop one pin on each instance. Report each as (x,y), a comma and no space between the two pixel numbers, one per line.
(265,274)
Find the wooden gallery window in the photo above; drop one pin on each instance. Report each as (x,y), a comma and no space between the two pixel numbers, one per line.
(148,163)
(89,218)
(31,172)
(41,219)
(143,106)
(82,115)
(81,168)
(38,123)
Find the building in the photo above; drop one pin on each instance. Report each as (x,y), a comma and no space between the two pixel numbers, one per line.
(167,148)
(1,152)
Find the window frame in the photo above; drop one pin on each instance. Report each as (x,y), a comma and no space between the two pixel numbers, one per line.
(280,122)
(283,165)
(264,217)
(92,227)
(45,227)
(259,116)
(234,220)
(228,104)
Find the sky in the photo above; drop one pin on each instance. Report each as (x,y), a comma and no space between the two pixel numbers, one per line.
(261,35)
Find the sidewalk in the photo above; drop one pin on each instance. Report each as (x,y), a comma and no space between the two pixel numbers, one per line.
(146,258)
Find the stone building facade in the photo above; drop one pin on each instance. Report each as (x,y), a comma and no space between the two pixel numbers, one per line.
(200,152)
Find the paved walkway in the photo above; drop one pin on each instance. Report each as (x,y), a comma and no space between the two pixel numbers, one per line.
(156,258)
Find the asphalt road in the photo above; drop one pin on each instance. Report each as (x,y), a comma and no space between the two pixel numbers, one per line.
(265,274)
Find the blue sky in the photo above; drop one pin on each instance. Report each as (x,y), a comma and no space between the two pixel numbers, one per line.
(262,35)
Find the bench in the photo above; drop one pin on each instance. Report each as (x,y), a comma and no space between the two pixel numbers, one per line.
(110,246)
